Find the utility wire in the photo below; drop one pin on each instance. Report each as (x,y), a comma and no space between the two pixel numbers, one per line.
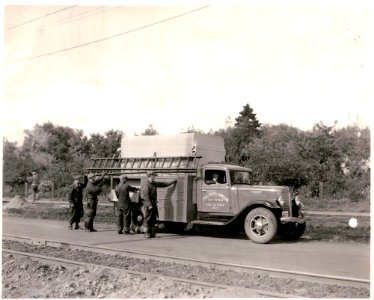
(63,21)
(107,38)
(46,15)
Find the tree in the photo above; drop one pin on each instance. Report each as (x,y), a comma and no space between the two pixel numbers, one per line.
(275,158)
(245,130)
(105,145)
(192,129)
(150,130)
(354,144)
(323,159)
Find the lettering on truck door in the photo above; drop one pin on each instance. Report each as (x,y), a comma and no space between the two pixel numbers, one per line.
(215,192)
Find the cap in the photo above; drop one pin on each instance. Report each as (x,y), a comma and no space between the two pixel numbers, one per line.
(123,176)
(150,173)
(89,176)
(77,177)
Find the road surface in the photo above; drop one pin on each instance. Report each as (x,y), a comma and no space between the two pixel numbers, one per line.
(330,259)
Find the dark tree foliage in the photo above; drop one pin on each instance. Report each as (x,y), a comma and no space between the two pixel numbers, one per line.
(274,157)
(278,154)
(245,130)
(192,129)
(150,130)
(105,145)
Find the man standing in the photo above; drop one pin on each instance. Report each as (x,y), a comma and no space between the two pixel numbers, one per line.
(76,202)
(123,190)
(34,181)
(149,195)
(93,189)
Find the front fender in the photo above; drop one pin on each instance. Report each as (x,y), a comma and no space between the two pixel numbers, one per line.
(271,205)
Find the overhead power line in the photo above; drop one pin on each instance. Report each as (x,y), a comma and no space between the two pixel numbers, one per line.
(63,21)
(107,38)
(35,19)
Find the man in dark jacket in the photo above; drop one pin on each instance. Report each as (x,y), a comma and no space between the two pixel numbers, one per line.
(149,195)
(93,189)
(123,190)
(76,202)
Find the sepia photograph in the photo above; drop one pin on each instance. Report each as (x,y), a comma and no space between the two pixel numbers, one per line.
(186,149)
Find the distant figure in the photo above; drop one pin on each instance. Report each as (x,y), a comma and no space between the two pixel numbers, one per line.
(123,190)
(93,189)
(34,181)
(149,195)
(76,202)
(297,205)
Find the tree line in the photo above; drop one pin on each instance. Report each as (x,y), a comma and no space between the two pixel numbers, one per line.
(277,154)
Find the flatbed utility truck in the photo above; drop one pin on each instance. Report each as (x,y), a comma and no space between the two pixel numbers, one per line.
(208,191)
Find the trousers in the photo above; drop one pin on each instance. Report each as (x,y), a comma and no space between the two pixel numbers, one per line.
(91,213)
(150,218)
(76,212)
(124,217)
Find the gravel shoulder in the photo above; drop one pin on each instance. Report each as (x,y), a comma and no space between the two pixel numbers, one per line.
(25,278)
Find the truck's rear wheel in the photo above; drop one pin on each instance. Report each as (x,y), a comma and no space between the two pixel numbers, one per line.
(260,225)
(292,231)
(137,221)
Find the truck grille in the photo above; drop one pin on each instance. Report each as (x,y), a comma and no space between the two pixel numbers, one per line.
(286,195)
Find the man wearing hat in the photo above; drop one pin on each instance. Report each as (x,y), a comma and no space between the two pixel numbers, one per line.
(93,189)
(123,190)
(34,181)
(76,202)
(149,195)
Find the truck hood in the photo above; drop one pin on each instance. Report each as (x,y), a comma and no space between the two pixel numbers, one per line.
(265,188)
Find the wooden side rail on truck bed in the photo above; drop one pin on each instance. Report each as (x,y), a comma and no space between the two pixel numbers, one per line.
(138,165)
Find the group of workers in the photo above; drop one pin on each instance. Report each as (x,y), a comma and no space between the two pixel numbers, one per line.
(92,186)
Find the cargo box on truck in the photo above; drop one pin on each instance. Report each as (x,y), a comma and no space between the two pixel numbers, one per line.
(208,191)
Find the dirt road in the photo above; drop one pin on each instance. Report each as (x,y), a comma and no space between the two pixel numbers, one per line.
(335,259)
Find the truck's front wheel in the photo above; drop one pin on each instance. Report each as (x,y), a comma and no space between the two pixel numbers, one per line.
(260,225)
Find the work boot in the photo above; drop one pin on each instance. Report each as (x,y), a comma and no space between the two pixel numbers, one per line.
(90,229)
(120,232)
(77,227)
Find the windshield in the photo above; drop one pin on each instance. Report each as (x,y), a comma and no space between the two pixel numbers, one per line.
(241,177)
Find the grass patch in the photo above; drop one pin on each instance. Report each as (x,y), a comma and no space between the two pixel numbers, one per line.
(338,205)
(50,211)
(336,228)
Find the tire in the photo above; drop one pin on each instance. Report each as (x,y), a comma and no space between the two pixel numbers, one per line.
(292,231)
(260,225)
(137,221)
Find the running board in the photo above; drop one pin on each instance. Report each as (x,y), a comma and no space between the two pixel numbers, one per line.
(199,222)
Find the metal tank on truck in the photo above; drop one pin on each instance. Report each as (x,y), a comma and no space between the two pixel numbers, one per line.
(208,190)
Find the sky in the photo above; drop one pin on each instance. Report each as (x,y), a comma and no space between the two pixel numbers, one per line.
(124,66)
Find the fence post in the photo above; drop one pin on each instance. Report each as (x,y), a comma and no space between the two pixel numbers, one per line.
(53,189)
(26,189)
(321,190)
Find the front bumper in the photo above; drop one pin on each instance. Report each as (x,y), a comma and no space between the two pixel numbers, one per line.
(285,220)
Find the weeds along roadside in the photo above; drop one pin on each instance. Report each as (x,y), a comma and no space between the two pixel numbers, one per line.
(322,228)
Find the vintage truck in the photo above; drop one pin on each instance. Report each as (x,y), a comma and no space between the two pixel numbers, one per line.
(209,191)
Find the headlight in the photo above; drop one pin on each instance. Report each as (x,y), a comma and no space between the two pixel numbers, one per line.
(280,201)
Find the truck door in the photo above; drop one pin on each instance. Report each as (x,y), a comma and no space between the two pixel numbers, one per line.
(215,192)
